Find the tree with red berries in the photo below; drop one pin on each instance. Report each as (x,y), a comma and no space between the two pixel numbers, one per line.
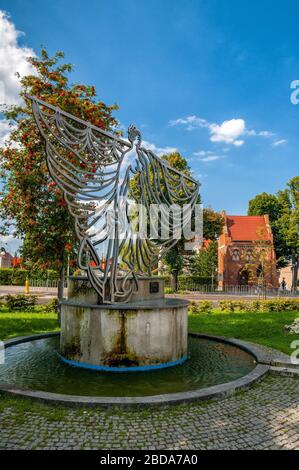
(31,205)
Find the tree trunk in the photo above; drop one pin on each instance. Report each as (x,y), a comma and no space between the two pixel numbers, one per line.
(60,287)
(295,260)
(60,283)
(174,280)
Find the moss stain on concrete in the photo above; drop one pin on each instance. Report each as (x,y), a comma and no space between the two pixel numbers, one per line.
(73,349)
(120,355)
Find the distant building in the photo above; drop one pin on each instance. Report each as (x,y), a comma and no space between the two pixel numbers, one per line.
(246,252)
(5,259)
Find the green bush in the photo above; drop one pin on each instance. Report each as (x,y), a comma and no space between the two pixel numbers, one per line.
(168,290)
(52,306)
(268,305)
(227,305)
(17,277)
(20,301)
(193,307)
(205,306)
(11,276)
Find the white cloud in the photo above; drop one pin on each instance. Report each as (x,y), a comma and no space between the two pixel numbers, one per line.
(131,157)
(10,243)
(231,132)
(12,60)
(266,134)
(228,132)
(158,150)
(192,122)
(7,238)
(238,143)
(202,153)
(5,130)
(254,133)
(149,146)
(198,176)
(279,142)
(210,158)
(206,156)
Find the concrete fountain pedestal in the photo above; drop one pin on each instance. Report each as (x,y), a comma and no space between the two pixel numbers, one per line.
(150,332)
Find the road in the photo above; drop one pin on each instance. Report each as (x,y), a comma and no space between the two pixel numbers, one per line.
(44,294)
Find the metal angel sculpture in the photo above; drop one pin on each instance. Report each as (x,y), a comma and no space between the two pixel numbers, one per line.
(94,170)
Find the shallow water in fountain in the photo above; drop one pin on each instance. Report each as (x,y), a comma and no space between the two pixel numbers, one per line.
(35,365)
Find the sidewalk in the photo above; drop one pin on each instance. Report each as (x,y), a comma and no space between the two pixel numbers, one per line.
(44,294)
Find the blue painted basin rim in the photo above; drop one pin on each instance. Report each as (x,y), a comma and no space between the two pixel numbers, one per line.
(85,365)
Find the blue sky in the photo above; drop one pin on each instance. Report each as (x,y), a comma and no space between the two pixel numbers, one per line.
(180,69)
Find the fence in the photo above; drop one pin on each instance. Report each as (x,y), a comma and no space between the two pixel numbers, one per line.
(191,287)
(234,290)
(45,283)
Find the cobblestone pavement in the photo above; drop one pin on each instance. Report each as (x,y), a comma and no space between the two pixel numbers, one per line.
(263,417)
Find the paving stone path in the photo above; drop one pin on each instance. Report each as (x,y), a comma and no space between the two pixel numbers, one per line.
(264,417)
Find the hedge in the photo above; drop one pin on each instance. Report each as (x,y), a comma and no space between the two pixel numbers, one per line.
(20,302)
(17,277)
(268,305)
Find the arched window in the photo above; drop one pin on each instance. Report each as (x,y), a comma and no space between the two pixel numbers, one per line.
(236,255)
(249,255)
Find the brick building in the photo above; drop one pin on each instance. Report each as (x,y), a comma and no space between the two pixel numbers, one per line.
(5,259)
(246,254)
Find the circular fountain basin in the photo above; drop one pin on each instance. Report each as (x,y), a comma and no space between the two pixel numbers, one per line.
(34,368)
(103,337)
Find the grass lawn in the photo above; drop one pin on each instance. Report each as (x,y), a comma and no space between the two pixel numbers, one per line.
(18,323)
(263,328)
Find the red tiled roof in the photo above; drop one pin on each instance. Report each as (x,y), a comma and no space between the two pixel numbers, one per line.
(247,227)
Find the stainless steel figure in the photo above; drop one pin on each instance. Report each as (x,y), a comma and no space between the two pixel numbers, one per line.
(93,169)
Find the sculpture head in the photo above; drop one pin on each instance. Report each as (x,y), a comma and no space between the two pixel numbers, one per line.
(134,135)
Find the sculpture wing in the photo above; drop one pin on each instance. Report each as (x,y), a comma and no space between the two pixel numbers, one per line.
(84,161)
(166,187)
(89,166)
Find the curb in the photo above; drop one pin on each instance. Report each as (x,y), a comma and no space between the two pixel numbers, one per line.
(214,392)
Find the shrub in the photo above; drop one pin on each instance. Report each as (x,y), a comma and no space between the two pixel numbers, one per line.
(77,272)
(205,306)
(10,276)
(52,306)
(227,305)
(193,307)
(240,305)
(254,306)
(289,305)
(168,290)
(268,305)
(20,301)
